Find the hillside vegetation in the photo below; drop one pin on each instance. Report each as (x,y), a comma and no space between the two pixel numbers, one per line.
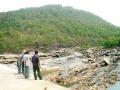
(54,26)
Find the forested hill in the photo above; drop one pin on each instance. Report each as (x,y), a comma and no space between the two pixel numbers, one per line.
(54,26)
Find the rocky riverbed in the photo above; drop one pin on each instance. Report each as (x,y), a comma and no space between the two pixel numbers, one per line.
(78,69)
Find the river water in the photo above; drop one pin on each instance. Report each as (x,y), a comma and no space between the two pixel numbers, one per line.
(117,85)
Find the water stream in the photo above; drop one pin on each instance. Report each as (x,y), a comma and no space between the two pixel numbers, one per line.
(117,85)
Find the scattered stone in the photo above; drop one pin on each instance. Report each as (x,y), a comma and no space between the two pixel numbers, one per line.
(89,69)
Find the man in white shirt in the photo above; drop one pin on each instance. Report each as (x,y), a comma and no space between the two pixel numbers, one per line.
(27,63)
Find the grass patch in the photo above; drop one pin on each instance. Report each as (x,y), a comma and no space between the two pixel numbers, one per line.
(46,72)
(70,84)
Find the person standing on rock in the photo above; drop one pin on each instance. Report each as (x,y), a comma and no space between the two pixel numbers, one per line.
(20,65)
(36,66)
(27,63)
(19,61)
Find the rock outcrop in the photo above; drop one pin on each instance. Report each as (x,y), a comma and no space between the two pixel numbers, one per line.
(89,69)
(93,68)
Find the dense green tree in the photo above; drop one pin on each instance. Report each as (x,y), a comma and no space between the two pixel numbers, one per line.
(54,26)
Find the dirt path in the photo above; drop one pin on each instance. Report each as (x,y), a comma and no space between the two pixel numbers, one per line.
(10,80)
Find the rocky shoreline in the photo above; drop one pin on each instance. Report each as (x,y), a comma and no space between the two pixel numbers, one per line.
(91,69)
(81,69)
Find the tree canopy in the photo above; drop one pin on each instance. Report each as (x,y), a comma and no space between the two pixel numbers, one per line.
(54,26)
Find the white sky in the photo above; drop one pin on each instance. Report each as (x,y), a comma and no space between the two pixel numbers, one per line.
(107,9)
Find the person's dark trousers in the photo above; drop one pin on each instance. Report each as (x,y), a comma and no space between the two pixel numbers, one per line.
(23,68)
(37,69)
(19,67)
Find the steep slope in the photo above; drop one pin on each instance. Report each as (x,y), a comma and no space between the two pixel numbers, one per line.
(53,26)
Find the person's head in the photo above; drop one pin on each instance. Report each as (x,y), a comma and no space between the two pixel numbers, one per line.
(36,52)
(26,52)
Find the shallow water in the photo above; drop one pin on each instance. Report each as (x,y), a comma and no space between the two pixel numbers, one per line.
(115,87)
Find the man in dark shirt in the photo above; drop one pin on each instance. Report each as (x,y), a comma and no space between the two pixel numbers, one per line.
(36,65)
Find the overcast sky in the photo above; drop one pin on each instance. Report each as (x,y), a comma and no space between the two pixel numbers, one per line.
(107,9)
